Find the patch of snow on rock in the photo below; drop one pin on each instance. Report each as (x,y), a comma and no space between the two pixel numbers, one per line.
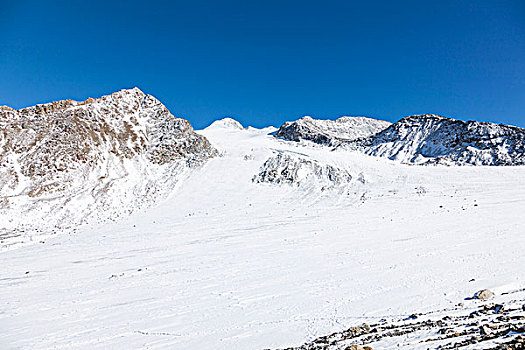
(431,139)
(293,170)
(331,132)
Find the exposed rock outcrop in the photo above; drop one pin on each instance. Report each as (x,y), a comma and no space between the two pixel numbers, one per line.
(427,139)
(298,171)
(330,132)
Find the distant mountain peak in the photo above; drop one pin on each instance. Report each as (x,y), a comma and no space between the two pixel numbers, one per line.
(226,123)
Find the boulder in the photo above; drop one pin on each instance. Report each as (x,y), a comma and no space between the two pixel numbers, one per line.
(484,294)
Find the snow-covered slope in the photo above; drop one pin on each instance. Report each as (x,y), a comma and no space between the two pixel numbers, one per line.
(226,262)
(423,139)
(68,162)
(330,132)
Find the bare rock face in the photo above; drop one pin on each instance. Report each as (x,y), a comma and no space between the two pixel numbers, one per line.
(61,162)
(330,132)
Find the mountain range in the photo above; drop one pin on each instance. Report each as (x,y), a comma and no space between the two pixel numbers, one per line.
(122,227)
(419,139)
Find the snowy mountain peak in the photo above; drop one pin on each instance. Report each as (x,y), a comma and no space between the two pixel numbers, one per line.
(226,123)
(330,132)
(117,152)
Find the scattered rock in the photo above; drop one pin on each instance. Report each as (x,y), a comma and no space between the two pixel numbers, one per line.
(498,308)
(499,324)
(485,330)
(355,347)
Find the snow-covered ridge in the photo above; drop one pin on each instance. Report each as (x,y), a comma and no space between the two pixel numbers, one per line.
(424,139)
(418,139)
(331,132)
(64,162)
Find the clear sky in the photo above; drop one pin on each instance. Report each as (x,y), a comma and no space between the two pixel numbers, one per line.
(265,62)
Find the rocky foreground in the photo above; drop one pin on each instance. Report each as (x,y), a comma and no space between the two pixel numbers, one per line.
(477,323)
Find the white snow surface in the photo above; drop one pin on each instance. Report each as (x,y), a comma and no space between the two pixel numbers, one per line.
(226,262)
(228,123)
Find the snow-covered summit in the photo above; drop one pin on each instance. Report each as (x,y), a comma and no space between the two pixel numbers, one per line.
(330,132)
(102,157)
(226,123)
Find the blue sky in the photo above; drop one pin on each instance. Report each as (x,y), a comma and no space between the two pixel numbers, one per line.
(265,62)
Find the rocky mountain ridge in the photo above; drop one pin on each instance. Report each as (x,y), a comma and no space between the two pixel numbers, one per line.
(428,139)
(65,161)
(330,132)
(419,139)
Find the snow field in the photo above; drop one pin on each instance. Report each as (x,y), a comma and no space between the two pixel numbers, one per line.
(226,263)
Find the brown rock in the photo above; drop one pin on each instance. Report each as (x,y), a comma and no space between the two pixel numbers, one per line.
(354,347)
